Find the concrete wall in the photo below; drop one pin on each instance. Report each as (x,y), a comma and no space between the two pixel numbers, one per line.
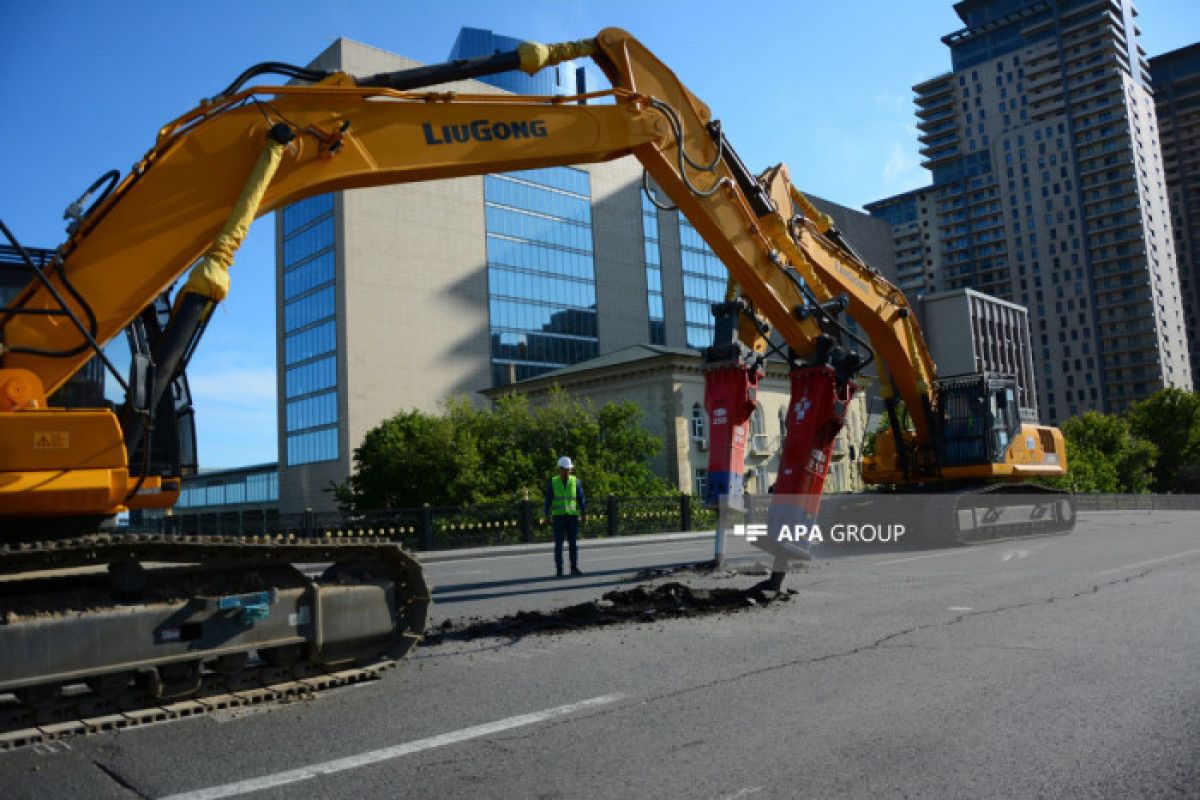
(623,318)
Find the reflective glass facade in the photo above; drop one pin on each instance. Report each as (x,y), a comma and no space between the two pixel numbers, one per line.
(654,287)
(310,332)
(704,282)
(541,274)
(230,489)
(561,79)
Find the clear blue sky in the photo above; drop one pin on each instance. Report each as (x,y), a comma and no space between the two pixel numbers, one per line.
(825,87)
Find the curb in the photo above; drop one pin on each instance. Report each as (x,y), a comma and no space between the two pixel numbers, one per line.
(439,556)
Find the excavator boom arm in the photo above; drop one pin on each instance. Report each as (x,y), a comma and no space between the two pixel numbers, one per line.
(169,210)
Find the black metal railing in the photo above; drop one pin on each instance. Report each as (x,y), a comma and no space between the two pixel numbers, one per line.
(447,528)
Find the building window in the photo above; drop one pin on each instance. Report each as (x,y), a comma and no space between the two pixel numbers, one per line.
(312,446)
(654,290)
(541,274)
(261,487)
(837,478)
(704,283)
(700,482)
(310,332)
(698,425)
(758,431)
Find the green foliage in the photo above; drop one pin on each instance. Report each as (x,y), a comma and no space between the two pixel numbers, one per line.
(1170,419)
(1103,456)
(466,456)
(902,416)
(1154,447)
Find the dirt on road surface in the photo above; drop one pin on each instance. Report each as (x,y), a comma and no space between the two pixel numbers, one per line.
(648,601)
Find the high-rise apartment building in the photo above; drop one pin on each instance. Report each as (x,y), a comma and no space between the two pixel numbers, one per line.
(1177,97)
(1049,191)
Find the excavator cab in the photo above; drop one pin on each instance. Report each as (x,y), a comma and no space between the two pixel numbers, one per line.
(978,418)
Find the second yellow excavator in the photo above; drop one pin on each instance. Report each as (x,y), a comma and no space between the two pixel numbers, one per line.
(92,621)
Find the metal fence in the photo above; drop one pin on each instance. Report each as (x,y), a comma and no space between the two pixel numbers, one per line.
(447,528)
(1137,502)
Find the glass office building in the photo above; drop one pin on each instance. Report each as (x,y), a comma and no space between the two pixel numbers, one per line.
(400,297)
(561,79)
(704,283)
(541,276)
(654,281)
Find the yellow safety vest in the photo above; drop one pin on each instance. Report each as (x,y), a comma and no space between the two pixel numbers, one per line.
(565,497)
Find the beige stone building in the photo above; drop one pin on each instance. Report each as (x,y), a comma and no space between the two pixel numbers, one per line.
(667,383)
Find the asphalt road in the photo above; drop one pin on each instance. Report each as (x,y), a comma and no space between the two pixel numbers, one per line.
(1060,667)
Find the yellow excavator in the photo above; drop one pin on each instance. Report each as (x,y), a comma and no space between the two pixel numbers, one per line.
(93,621)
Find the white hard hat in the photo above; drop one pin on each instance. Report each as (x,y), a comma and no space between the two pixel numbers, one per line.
(565,463)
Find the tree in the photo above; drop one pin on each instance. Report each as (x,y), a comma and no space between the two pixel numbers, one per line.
(413,458)
(465,456)
(1170,419)
(1103,456)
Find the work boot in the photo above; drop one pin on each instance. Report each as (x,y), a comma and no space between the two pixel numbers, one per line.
(558,572)
(575,571)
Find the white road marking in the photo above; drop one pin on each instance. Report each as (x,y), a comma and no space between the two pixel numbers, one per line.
(1017,554)
(745,793)
(919,558)
(1137,564)
(387,753)
(626,557)
(533,554)
(960,608)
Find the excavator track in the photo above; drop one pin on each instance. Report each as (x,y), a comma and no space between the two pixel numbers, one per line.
(1009,511)
(972,515)
(21,726)
(108,631)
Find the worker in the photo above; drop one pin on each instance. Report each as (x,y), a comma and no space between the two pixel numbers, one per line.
(566,508)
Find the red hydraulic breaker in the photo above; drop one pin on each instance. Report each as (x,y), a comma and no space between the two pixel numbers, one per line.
(732,372)
(817,413)
(730,397)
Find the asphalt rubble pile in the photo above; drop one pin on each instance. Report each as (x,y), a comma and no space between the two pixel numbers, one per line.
(642,603)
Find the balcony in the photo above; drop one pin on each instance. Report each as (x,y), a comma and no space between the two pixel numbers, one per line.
(1106,297)
(941,158)
(1121,265)
(1051,106)
(1048,78)
(1082,83)
(1117,180)
(1123,344)
(1130,330)
(1117,265)
(1104,172)
(934,92)
(1123,222)
(933,145)
(1135,376)
(935,113)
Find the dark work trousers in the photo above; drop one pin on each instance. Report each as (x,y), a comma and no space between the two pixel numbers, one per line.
(566,525)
